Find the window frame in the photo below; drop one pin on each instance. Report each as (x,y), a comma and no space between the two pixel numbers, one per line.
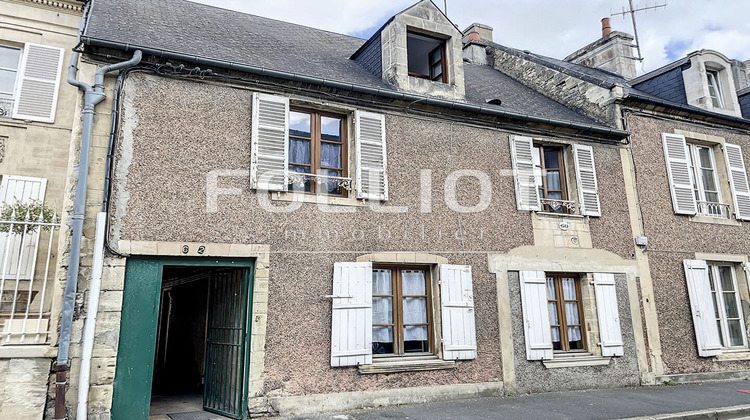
(316,141)
(397,309)
(717,298)
(17,70)
(443,76)
(713,80)
(561,317)
(543,189)
(695,170)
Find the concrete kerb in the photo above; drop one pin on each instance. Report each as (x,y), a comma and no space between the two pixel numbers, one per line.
(721,413)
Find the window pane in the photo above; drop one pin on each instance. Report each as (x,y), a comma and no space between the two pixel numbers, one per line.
(714,297)
(574,338)
(556,338)
(725,273)
(555,196)
(569,289)
(713,197)
(330,155)
(735,332)
(299,151)
(553,180)
(415,333)
(571,313)
(415,310)
(9,57)
(550,288)
(551,159)
(552,306)
(413,282)
(381,282)
(707,175)
(705,156)
(330,128)
(731,301)
(299,124)
(382,340)
(306,183)
(412,346)
(382,310)
(7,81)
(721,334)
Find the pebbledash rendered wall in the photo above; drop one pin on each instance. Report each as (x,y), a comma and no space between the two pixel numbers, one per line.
(673,238)
(160,197)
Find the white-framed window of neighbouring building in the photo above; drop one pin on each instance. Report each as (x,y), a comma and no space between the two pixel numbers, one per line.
(29,81)
(714,88)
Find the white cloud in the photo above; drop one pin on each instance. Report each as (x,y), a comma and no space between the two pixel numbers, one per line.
(553,28)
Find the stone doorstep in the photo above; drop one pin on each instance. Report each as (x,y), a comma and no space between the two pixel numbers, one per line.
(398,364)
(721,413)
(691,378)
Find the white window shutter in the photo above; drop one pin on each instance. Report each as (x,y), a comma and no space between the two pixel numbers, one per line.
(38,83)
(372,165)
(457,305)
(25,190)
(536,315)
(679,173)
(588,188)
(521,153)
(738,181)
(608,314)
(702,307)
(269,155)
(351,332)
(747,273)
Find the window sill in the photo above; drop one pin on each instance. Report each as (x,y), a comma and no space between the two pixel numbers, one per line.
(565,360)
(733,355)
(405,364)
(551,214)
(714,220)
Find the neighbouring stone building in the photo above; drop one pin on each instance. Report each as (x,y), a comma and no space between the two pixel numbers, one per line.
(37,120)
(689,200)
(351,223)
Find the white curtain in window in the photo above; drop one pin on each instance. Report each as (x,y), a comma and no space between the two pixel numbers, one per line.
(415,309)
(382,334)
(381,282)
(574,333)
(415,333)
(555,334)
(413,282)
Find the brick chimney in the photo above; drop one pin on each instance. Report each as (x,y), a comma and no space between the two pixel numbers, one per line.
(482,31)
(474,43)
(612,52)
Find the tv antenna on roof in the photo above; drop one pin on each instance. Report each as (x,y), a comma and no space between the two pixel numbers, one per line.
(632,11)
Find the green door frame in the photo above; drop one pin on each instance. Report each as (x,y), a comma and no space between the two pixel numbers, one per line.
(139,323)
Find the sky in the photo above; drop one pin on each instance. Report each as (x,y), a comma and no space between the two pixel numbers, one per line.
(553,28)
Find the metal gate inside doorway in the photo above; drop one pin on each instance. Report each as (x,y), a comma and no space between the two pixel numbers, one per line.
(227,343)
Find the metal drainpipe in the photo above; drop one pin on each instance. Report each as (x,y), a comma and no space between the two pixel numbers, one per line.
(92,97)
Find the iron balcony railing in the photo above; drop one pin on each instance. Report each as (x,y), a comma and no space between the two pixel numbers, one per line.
(26,257)
(298,179)
(557,206)
(717,210)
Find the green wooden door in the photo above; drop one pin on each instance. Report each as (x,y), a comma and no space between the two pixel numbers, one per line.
(139,324)
(226,346)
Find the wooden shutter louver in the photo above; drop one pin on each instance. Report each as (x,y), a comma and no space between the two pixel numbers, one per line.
(521,152)
(457,306)
(25,190)
(702,307)
(588,188)
(738,181)
(39,80)
(351,331)
(610,334)
(679,174)
(372,166)
(269,158)
(537,330)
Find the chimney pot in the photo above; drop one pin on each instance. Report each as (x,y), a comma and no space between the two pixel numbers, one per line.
(606,29)
(474,36)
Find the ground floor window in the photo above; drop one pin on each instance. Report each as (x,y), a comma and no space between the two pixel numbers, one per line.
(727,305)
(401,315)
(565,312)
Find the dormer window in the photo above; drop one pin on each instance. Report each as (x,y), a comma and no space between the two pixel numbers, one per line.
(426,57)
(714,88)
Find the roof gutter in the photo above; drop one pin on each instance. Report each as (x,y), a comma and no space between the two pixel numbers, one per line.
(386,93)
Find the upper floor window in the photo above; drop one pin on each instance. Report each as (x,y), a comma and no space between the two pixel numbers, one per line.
(29,80)
(540,178)
(714,88)
(317,145)
(10,60)
(550,177)
(694,179)
(705,181)
(426,57)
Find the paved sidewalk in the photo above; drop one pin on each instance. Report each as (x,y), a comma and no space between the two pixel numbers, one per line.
(596,404)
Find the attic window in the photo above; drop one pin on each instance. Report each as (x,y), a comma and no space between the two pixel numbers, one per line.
(714,88)
(426,57)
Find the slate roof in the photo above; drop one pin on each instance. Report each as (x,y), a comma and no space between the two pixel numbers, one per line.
(210,32)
